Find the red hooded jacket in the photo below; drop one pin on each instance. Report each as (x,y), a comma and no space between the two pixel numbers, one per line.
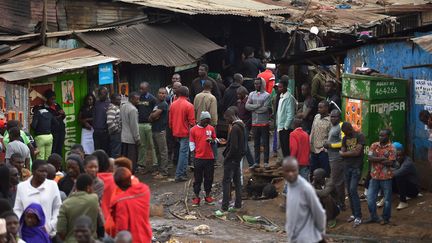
(131,211)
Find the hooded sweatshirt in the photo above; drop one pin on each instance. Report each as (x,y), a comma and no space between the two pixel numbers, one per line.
(230,97)
(236,145)
(259,103)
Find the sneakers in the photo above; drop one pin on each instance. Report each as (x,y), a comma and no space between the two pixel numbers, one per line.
(181,179)
(350,219)
(380,203)
(209,200)
(384,222)
(331,223)
(402,205)
(266,166)
(254,166)
(196,202)
(357,222)
(363,197)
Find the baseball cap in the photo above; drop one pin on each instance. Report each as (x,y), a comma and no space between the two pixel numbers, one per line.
(205,115)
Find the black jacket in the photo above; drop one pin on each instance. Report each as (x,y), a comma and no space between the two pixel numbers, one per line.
(229,98)
(197,87)
(43,121)
(236,144)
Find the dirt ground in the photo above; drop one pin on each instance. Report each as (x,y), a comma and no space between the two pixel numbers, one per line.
(413,224)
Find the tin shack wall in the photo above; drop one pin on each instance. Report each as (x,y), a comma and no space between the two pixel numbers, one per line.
(390,58)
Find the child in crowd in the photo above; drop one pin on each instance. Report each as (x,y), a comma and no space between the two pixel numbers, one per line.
(56,161)
(12,226)
(202,136)
(32,225)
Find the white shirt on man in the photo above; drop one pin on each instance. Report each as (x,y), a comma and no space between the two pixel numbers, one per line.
(47,195)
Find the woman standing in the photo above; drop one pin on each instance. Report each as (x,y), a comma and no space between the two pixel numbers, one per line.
(86,119)
(42,124)
(58,130)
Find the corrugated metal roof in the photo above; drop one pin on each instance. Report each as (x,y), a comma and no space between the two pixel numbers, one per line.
(424,42)
(158,45)
(46,61)
(213,7)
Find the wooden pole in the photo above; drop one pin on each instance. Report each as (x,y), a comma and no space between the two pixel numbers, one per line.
(338,73)
(44,22)
(261,29)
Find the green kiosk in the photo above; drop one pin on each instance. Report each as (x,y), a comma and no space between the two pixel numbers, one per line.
(372,103)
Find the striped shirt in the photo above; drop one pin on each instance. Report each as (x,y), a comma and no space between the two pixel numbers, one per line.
(113,119)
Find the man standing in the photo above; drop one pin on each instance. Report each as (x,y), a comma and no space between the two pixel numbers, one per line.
(300,147)
(305,216)
(352,154)
(233,153)
(130,136)
(198,84)
(268,77)
(114,125)
(169,89)
(405,179)
(202,136)
(172,144)
(15,146)
(159,120)
(58,131)
(333,146)
(230,95)
(319,135)
(123,93)
(145,106)
(382,156)
(181,119)
(101,136)
(81,202)
(426,118)
(250,67)
(246,117)
(285,115)
(332,96)
(205,101)
(259,103)
(309,109)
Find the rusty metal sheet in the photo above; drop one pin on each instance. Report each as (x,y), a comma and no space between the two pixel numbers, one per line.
(213,7)
(162,45)
(46,61)
(425,42)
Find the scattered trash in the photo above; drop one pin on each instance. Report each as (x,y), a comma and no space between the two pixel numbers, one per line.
(190,217)
(421,203)
(202,229)
(343,6)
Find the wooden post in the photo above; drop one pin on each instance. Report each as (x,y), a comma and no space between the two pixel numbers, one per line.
(44,22)
(338,73)
(261,29)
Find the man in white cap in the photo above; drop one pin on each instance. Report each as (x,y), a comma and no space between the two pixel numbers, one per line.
(269,77)
(201,140)
(312,40)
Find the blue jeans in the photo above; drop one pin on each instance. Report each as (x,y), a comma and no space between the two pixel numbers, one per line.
(248,155)
(115,145)
(183,157)
(352,177)
(374,187)
(320,160)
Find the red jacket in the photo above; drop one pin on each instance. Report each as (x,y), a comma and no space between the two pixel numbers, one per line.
(269,78)
(300,146)
(181,117)
(131,211)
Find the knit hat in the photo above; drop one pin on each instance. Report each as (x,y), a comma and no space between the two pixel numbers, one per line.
(205,115)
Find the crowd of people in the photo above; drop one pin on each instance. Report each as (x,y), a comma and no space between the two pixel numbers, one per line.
(96,193)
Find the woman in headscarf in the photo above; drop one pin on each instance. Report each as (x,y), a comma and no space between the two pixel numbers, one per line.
(32,225)
(85,117)
(74,167)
